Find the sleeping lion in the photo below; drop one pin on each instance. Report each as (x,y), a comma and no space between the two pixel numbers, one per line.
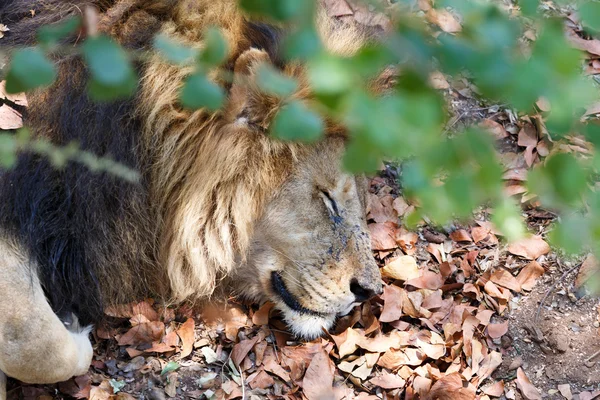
(220,203)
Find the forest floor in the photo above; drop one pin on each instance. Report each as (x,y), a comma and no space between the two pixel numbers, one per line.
(463,315)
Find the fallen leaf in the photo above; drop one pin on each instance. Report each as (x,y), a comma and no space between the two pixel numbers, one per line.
(526,387)
(261,380)
(381,209)
(392,303)
(444,19)
(187,335)
(407,241)
(261,316)
(427,280)
(388,381)
(565,390)
(529,275)
(318,380)
(437,80)
(530,248)
(273,367)
(143,333)
(461,235)
(495,389)
(496,331)
(241,349)
(504,278)
(383,236)
(494,128)
(403,268)
(591,46)
(337,8)
(589,268)
(101,392)
(450,387)
(400,205)
(527,136)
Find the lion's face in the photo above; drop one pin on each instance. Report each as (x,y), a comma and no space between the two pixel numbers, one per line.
(311,253)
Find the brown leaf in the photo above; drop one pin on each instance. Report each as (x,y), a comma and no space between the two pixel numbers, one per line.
(504,278)
(530,248)
(102,392)
(400,206)
(479,233)
(337,8)
(526,387)
(427,280)
(142,334)
(437,80)
(168,343)
(381,209)
(497,330)
(495,390)
(383,236)
(187,335)
(489,365)
(591,46)
(392,303)
(261,316)
(444,19)
(527,135)
(241,349)
(565,390)
(496,129)
(450,387)
(273,367)
(10,118)
(529,275)
(407,240)
(261,380)
(388,381)
(403,268)
(318,380)
(394,358)
(589,268)
(460,235)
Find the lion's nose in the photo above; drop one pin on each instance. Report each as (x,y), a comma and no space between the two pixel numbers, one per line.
(361,292)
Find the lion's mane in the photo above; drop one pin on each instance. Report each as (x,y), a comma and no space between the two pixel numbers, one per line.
(97,239)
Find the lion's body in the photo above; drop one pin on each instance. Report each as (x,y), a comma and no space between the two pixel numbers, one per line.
(216,198)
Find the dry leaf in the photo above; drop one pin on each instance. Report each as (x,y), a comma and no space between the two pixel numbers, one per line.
(528,135)
(494,128)
(400,205)
(565,390)
(460,235)
(241,349)
(403,268)
(526,387)
(444,19)
(142,334)
(261,316)
(427,280)
(407,241)
(495,389)
(102,392)
(318,380)
(529,275)
(437,80)
(589,268)
(261,380)
(337,8)
(504,278)
(383,236)
(496,331)
(187,335)
(392,303)
(530,248)
(388,381)
(450,387)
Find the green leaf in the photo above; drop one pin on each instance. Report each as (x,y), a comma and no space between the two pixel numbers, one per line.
(590,15)
(272,81)
(29,69)
(359,158)
(174,51)
(199,92)
(49,35)
(170,367)
(215,47)
(107,61)
(281,10)
(8,150)
(117,385)
(295,121)
(329,74)
(102,93)
(302,44)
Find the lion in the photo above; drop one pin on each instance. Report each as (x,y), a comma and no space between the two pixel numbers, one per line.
(220,203)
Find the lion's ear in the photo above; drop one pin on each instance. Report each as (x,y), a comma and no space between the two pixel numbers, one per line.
(247,103)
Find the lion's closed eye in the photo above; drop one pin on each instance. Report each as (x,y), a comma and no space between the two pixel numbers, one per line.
(330,202)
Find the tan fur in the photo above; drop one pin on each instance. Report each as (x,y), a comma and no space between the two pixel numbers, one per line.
(235,205)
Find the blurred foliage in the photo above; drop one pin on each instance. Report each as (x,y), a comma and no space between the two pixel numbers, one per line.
(447,175)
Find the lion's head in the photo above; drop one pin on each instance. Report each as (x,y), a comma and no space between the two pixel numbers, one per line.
(310,252)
